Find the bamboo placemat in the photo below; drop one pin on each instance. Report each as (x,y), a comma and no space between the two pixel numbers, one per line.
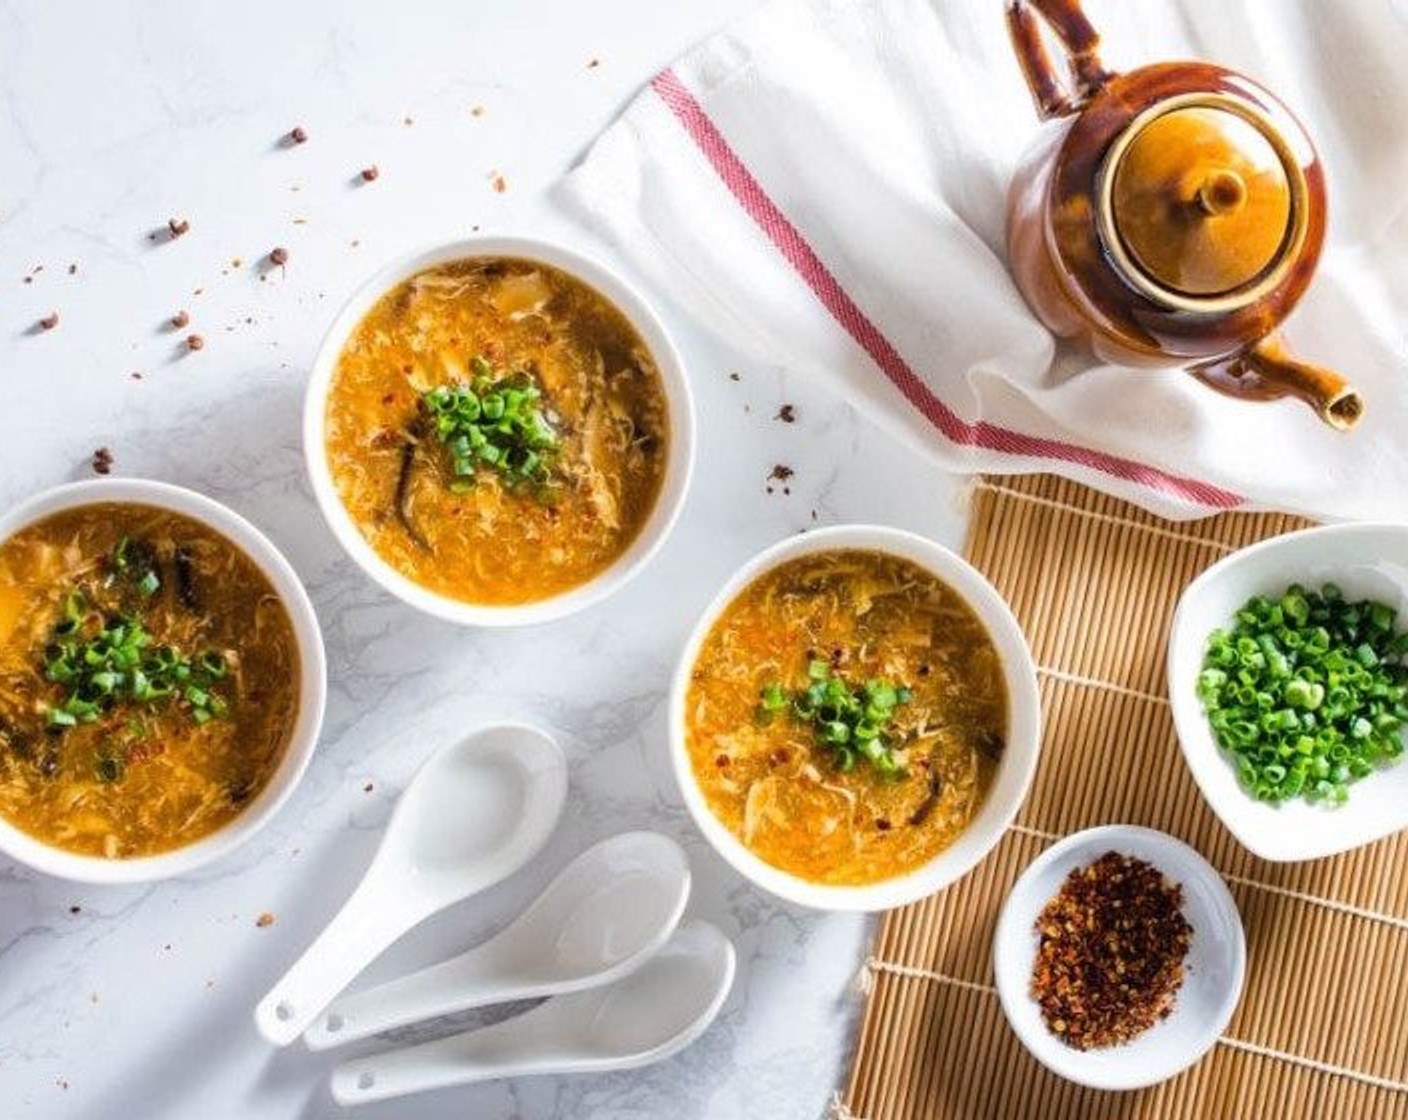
(1322,1027)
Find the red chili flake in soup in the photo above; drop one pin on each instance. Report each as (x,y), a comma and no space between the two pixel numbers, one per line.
(1110,960)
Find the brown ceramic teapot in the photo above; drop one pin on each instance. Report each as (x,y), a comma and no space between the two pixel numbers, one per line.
(1170,216)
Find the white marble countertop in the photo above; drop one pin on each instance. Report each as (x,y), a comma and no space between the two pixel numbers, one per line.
(134,1003)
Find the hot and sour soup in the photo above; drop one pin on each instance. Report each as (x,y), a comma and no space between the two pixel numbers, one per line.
(149,680)
(497,430)
(846,715)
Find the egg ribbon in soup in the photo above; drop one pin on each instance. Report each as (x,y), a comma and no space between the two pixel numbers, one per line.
(845,716)
(149,678)
(497,430)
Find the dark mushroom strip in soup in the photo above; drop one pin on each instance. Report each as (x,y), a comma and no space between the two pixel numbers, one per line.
(149,680)
(846,716)
(497,430)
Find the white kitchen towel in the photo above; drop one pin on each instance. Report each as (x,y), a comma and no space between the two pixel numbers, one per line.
(823,183)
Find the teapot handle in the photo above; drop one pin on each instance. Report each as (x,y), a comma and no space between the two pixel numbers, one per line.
(1053,97)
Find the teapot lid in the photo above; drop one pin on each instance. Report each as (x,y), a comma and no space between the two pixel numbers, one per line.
(1202,204)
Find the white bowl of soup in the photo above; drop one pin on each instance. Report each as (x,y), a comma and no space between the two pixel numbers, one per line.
(499,431)
(162,681)
(854,720)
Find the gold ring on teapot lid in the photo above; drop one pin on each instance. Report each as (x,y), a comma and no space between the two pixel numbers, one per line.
(1202,206)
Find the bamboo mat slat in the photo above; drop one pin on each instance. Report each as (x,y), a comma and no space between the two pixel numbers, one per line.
(1322,1027)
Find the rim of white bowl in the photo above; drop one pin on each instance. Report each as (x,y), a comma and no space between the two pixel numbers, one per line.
(312,697)
(679,399)
(1014,773)
(1012,981)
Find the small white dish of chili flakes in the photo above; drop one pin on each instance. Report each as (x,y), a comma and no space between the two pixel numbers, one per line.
(1119,957)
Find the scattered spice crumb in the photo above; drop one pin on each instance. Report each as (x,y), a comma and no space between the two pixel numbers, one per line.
(787,414)
(300,221)
(102,461)
(593,64)
(180,319)
(265,920)
(167,947)
(499,183)
(735,377)
(278,255)
(356,241)
(178,226)
(782,472)
(135,375)
(368,788)
(72,269)
(370,173)
(477,111)
(408,121)
(209,984)
(298,135)
(50,321)
(195,341)
(61,1083)
(28,280)
(92,997)
(236,262)
(75,909)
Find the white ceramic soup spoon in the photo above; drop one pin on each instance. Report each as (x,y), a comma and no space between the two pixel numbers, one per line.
(603,916)
(648,1016)
(476,812)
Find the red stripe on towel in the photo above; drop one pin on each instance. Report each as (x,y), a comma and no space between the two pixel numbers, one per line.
(790,242)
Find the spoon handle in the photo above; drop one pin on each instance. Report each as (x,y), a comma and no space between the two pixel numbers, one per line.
(461,1059)
(459,984)
(360,931)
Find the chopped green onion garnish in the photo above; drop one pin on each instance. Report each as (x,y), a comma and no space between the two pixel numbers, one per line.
(1307,693)
(847,720)
(496,423)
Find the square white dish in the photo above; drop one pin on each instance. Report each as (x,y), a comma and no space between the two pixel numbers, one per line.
(1365,561)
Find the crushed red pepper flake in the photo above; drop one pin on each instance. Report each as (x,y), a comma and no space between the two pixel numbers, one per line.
(102,461)
(298,135)
(370,173)
(180,319)
(195,342)
(1110,959)
(49,322)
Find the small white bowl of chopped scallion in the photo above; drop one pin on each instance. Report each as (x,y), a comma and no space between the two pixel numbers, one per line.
(1288,677)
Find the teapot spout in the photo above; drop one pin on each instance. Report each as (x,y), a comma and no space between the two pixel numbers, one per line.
(1268,371)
